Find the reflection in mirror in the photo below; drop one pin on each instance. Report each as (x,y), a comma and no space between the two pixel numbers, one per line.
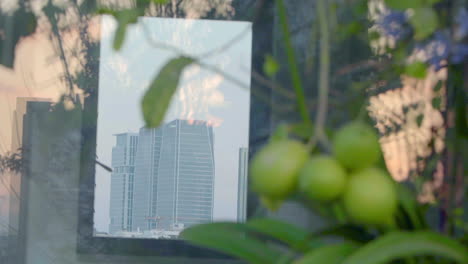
(154,182)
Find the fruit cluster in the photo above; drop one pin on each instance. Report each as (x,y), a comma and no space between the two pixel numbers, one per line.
(350,176)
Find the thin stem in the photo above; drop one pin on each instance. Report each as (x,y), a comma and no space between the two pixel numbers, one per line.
(293,69)
(196,60)
(324,75)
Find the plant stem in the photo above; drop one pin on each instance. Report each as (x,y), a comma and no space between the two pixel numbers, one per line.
(293,69)
(324,76)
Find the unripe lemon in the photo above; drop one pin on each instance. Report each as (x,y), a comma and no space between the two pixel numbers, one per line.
(274,169)
(356,146)
(322,178)
(370,196)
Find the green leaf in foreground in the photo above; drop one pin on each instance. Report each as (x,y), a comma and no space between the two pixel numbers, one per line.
(399,245)
(229,238)
(158,97)
(292,235)
(124,18)
(330,254)
(424,21)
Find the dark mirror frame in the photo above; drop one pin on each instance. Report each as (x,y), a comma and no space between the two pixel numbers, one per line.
(260,113)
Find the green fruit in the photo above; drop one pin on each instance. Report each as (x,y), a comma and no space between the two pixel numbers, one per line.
(356,146)
(370,197)
(322,178)
(274,169)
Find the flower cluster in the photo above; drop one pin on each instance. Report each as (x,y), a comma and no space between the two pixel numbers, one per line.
(440,48)
(394,24)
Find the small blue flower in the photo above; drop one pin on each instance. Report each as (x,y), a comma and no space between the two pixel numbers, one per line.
(436,49)
(459,53)
(393,24)
(462,21)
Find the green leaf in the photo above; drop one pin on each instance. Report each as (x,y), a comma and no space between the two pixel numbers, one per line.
(124,18)
(270,66)
(419,119)
(436,102)
(438,86)
(416,69)
(158,97)
(424,21)
(404,4)
(330,254)
(410,207)
(399,245)
(119,36)
(228,238)
(347,231)
(292,235)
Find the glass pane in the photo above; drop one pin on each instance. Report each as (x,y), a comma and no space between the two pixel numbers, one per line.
(184,172)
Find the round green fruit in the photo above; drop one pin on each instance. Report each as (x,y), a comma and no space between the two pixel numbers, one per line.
(370,197)
(274,169)
(322,178)
(356,146)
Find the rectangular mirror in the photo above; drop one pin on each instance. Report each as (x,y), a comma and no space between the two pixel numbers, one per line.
(151,183)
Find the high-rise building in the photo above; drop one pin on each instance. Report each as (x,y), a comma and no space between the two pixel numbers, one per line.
(163,178)
(122,180)
(174,177)
(146,171)
(242,184)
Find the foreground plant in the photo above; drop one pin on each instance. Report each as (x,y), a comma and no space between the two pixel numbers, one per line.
(368,217)
(372,218)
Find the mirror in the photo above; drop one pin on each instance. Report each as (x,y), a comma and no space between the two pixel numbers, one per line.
(152,183)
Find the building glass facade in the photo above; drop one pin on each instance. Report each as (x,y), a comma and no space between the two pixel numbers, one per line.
(163,178)
(122,182)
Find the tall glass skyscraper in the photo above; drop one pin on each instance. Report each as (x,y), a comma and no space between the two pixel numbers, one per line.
(163,178)
(174,180)
(122,180)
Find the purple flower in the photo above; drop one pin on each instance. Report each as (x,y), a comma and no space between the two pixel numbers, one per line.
(459,53)
(462,21)
(393,24)
(436,49)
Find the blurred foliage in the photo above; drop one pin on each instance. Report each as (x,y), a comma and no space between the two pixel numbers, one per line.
(388,38)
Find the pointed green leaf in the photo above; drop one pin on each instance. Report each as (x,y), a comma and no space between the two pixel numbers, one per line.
(230,239)
(436,102)
(424,21)
(119,36)
(330,254)
(416,69)
(295,237)
(419,119)
(410,207)
(158,97)
(347,231)
(399,245)
(438,86)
